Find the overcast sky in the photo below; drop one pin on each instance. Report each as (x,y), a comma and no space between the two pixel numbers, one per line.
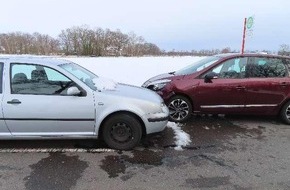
(171,24)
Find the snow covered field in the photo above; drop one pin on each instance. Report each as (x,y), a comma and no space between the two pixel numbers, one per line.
(132,70)
(129,70)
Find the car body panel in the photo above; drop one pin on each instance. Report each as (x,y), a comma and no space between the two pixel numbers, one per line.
(46,115)
(64,117)
(241,95)
(3,127)
(211,96)
(125,99)
(268,93)
(36,114)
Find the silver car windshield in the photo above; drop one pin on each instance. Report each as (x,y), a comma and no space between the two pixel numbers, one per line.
(81,73)
(197,66)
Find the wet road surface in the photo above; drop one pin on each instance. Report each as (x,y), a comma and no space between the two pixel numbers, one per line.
(225,153)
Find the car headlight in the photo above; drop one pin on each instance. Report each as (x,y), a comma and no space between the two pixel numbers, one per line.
(164,108)
(158,85)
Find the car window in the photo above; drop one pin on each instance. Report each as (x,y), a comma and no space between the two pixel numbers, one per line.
(287,62)
(232,68)
(1,76)
(81,73)
(53,75)
(263,67)
(198,66)
(36,79)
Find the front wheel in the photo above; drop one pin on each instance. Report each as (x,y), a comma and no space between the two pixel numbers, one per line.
(180,109)
(122,132)
(285,113)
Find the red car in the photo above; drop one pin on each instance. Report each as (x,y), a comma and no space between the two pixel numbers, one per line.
(252,84)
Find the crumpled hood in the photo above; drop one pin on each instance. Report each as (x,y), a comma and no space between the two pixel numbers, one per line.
(158,77)
(129,91)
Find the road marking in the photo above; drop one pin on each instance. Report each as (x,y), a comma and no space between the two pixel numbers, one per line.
(54,150)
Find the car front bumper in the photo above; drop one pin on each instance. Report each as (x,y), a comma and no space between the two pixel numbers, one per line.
(156,122)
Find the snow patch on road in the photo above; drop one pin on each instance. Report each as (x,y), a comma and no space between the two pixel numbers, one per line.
(181,138)
(206,127)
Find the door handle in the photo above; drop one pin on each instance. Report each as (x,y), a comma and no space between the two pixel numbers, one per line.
(284,84)
(14,101)
(240,87)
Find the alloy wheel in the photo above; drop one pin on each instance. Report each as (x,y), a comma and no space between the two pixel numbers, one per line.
(178,109)
(287,112)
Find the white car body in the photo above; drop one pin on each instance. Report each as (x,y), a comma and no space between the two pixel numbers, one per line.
(62,116)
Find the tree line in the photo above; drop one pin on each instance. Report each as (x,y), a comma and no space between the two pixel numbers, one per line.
(80,40)
(84,41)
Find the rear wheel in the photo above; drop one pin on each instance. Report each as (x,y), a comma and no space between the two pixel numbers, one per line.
(285,113)
(122,132)
(180,109)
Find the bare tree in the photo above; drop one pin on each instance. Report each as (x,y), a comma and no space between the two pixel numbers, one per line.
(226,50)
(99,42)
(78,40)
(284,50)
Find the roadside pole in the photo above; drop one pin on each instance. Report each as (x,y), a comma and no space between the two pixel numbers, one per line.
(244,36)
(248,30)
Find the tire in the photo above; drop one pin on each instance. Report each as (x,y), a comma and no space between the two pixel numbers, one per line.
(180,109)
(285,113)
(122,132)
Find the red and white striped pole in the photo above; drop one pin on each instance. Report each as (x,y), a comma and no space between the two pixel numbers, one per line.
(244,36)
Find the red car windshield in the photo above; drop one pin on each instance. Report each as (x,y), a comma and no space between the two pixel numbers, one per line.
(197,66)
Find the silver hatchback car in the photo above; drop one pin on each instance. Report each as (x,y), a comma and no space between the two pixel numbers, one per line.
(45,98)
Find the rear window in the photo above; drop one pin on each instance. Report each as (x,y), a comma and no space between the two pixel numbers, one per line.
(263,67)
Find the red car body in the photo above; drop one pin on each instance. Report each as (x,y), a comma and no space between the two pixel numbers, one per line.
(258,84)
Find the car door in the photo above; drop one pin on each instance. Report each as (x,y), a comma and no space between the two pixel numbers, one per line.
(225,93)
(268,84)
(3,127)
(36,103)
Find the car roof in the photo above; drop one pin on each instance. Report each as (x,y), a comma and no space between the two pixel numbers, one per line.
(44,60)
(231,55)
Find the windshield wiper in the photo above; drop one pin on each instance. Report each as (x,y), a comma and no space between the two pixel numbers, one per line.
(172,73)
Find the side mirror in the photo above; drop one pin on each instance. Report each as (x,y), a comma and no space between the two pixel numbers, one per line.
(73,91)
(209,76)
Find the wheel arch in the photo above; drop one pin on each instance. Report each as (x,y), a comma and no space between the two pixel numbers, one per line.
(281,105)
(144,132)
(184,95)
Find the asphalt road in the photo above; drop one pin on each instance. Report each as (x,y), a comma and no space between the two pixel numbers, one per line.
(225,153)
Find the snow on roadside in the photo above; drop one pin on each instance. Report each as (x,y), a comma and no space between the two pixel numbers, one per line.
(181,138)
(132,70)
(127,70)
